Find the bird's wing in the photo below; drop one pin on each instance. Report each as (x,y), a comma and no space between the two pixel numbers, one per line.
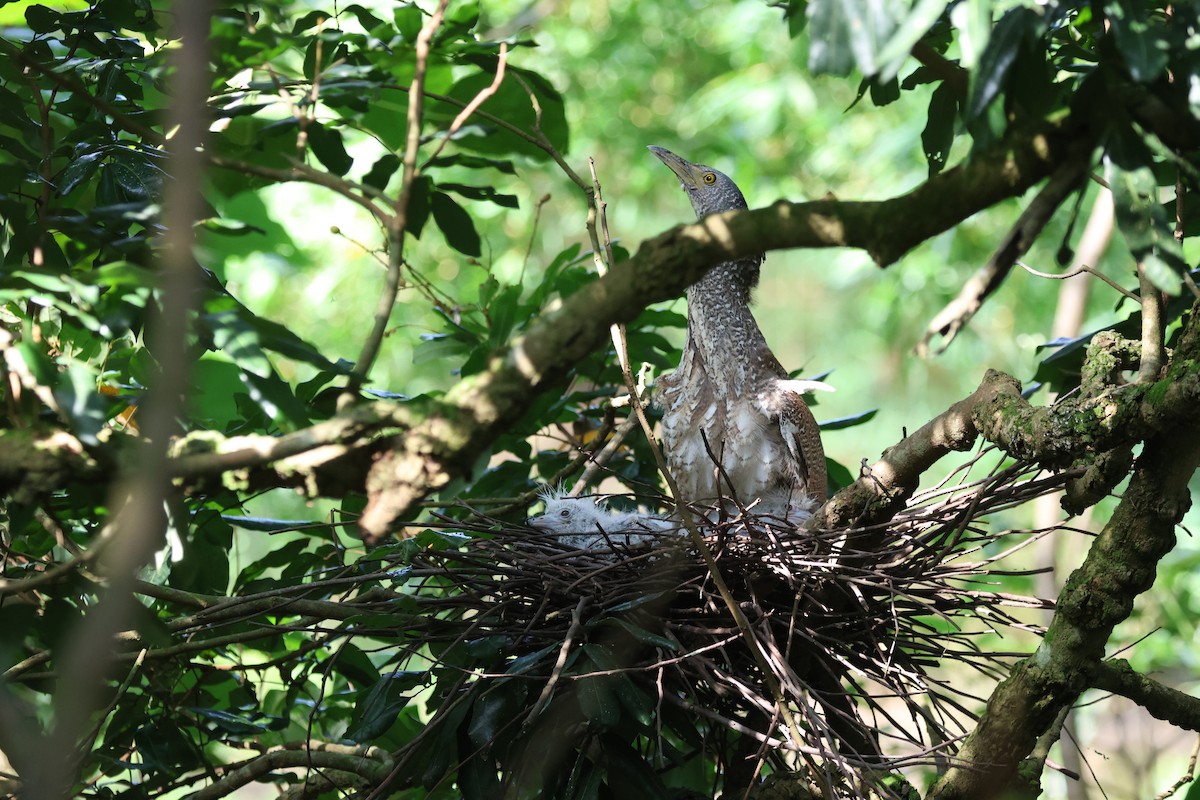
(802,437)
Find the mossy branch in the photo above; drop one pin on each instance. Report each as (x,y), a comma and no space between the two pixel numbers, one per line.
(1119,566)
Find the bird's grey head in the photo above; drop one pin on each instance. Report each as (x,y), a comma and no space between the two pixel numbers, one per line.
(709,190)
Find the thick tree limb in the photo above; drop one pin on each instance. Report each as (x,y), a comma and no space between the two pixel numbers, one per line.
(1171,705)
(430,446)
(1120,565)
(477,410)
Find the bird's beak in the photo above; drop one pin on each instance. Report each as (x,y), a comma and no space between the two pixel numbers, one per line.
(684,170)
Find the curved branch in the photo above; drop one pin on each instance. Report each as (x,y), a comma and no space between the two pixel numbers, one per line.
(955,316)
(370,764)
(477,410)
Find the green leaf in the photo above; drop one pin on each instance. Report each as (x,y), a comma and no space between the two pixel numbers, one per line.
(327,146)
(481,193)
(473,162)
(81,401)
(511,103)
(839,477)
(1017,28)
(884,91)
(377,709)
(266,524)
(830,50)
(849,421)
(796,14)
(79,170)
(628,773)
(495,710)
(456,225)
(642,635)
(382,171)
(598,701)
(907,32)
(1141,218)
(530,660)
(41,19)
(938,135)
(233,724)
(1142,43)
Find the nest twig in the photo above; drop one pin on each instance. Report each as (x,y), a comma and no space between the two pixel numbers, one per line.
(855,623)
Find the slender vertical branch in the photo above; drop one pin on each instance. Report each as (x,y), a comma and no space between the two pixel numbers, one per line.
(1153,358)
(141,495)
(399,220)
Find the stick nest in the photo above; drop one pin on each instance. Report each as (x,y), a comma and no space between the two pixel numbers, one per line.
(852,629)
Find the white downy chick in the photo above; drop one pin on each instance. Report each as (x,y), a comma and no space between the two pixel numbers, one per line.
(581,522)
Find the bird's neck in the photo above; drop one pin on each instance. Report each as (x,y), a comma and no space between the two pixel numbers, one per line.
(724,340)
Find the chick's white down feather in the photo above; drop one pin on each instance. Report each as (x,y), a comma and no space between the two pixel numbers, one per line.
(583,523)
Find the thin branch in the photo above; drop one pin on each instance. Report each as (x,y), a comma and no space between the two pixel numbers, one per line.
(473,106)
(358,193)
(371,763)
(959,311)
(399,221)
(1186,778)
(1081,270)
(1153,357)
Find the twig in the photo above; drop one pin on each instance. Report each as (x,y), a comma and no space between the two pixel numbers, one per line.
(539,140)
(472,106)
(1152,357)
(355,192)
(1081,270)
(85,747)
(399,221)
(560,662)
(951,319)
(1187,776)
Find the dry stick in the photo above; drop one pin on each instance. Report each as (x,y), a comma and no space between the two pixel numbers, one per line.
(355,192)
(1081,270)
(958,312)
(89,741)
(1152,355)
(685,514)
(560,662)
(606,453)
(399,221)
(1186,778)
(472,106)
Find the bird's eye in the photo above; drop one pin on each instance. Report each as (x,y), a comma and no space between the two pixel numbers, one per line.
(566,512)
(709,178)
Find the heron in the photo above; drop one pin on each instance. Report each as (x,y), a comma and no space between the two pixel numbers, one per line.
(735,427)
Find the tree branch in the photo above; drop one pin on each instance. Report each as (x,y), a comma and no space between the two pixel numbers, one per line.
(955,316)
(369,763)
(477,410)
(1119,566)
(1171,705)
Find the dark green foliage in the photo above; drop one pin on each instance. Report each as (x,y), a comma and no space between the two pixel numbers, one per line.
(248,617)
